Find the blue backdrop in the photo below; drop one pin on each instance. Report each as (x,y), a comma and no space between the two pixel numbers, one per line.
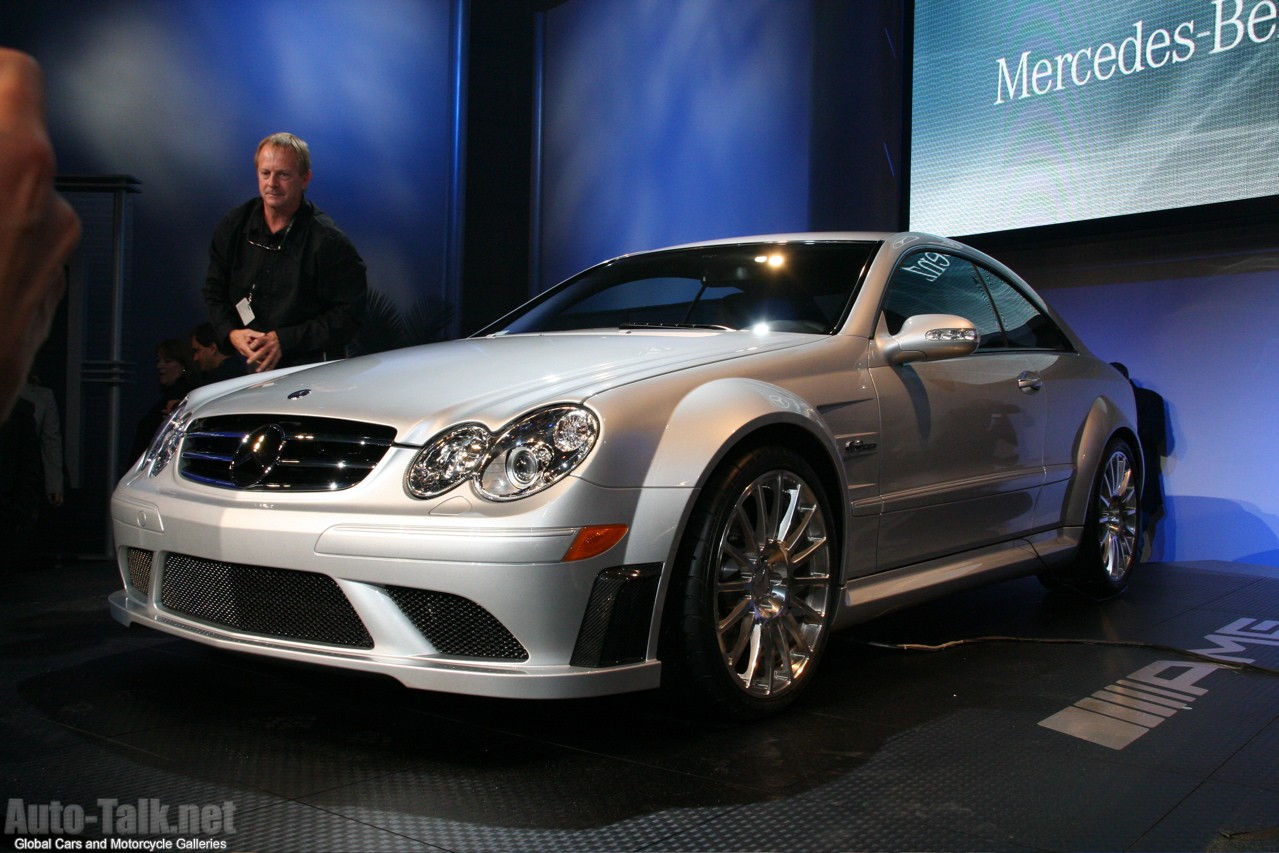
(669,121)
(177,93)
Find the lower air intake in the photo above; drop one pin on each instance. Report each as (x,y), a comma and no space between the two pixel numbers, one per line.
(139,565)
(280,603)
(457,626)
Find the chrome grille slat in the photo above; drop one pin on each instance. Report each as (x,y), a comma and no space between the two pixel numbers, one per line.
(318,454)
(213,434)
(211,457)
(306,463)
(333,438)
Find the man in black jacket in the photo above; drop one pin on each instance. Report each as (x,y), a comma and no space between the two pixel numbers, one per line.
(285,285)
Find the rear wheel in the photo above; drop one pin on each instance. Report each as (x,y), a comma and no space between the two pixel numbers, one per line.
(1112,528)
(753,595)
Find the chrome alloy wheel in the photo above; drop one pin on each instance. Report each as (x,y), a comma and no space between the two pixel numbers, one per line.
(772,588)
(1117,519)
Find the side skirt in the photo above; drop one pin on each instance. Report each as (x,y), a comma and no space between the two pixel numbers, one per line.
(867,597)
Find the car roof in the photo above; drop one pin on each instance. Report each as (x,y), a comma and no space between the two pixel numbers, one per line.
(802,237)
(792,237)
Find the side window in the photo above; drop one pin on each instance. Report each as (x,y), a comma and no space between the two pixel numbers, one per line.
(1025,326)
(941,283)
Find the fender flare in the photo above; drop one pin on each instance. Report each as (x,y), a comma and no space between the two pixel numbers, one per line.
(1106,419)
(707,426)
(713,419)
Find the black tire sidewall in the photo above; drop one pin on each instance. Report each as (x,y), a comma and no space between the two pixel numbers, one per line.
(691,653)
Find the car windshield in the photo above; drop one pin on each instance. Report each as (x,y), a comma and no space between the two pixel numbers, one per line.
(787,287)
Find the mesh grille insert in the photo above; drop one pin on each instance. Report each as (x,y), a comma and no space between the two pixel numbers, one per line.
(139,563)
(279,603)
(315,454)
(456,625)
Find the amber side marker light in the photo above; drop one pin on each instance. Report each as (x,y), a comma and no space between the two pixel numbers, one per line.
(594,540)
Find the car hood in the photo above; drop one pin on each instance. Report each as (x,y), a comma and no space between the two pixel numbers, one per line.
(421,390)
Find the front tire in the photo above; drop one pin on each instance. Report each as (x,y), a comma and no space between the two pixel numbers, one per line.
(754,588)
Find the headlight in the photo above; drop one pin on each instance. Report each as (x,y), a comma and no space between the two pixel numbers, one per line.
(536,451)
(524,458)
(447,460)
(166,440)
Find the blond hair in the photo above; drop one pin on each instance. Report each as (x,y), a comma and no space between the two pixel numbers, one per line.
(291,143)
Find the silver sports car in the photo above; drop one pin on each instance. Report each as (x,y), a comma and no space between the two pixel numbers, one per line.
(683,467)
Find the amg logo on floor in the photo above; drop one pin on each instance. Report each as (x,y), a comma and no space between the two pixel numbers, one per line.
(1118,714)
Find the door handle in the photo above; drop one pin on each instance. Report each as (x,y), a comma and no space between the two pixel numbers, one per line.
(1029,382)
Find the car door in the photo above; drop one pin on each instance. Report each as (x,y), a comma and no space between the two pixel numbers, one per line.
(961,439)
(1069,387)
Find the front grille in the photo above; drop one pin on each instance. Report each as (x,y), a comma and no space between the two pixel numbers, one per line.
(456,625)
(139,564)
(314,454)
(290,605)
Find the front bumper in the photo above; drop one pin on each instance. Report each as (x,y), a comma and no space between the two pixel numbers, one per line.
(440,599)
(420,672)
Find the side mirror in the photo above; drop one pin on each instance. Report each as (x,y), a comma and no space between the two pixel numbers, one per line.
(930,337)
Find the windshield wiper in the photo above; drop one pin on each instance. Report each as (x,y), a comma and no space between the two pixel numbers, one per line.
(714,326)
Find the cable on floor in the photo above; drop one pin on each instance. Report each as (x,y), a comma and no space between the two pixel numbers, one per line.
(940,647)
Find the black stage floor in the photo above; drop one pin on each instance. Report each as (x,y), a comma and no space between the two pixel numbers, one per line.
(1105,738)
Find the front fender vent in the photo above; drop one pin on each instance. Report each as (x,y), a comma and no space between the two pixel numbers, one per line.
(616,625)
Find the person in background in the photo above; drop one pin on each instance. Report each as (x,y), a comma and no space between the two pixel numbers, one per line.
(49,431)
(178,375)
(38,229)
(21,483)
(285,286)
(215,365)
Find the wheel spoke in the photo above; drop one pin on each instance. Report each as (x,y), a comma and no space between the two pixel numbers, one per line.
(766,660)
(802,557)
(804,609)
(1110,552)
(783,661)
(771,494)
(735,554)
(745,527)
(795,534)
(761,525)
(787,516)
(756,639)
(739,621)
(799,641)
(738,613)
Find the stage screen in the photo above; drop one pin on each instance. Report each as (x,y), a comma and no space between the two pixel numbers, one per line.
(1027,113)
